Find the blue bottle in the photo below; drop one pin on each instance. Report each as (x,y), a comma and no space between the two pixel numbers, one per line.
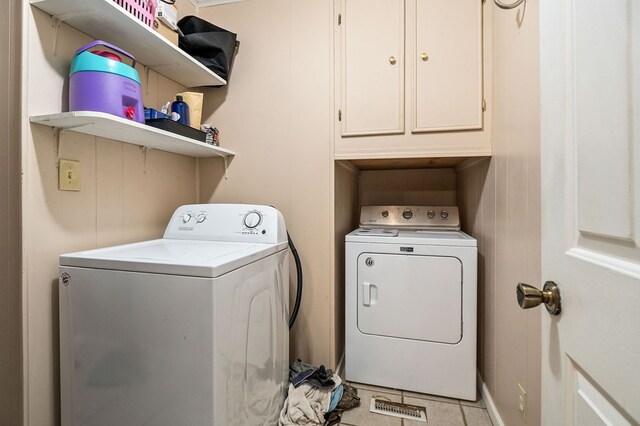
(182,109)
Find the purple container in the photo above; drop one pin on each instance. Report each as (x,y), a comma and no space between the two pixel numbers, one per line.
(98,83)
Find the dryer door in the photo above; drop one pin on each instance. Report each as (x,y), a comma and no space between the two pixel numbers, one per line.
(410,296)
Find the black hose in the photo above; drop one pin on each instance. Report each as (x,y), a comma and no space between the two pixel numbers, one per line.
(296,305)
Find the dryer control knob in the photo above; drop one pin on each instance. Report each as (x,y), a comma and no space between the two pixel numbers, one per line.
(252,219)
(444,214)
(201,218)
(407,214)
(186,217)
(385,213)
(431,214)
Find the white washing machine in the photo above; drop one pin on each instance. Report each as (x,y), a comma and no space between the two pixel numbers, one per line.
(190,329)
(411,280)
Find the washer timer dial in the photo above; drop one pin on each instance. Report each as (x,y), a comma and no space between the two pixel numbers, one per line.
(252,219)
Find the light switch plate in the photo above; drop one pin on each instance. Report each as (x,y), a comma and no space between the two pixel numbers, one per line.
(69,175)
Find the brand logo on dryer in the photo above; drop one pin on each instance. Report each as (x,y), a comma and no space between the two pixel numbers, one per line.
(406,249)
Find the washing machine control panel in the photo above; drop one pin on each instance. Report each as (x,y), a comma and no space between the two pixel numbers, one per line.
(227,222)
(413,217)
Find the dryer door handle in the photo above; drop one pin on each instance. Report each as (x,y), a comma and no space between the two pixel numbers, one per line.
(369,294)
(366,293)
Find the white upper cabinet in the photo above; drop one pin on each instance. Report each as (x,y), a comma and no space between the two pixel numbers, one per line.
(447,69)
(373,67)
(409,79)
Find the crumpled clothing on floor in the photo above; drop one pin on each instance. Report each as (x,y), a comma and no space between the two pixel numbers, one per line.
(316,396)
(307,404)
(350,398)
(301,372)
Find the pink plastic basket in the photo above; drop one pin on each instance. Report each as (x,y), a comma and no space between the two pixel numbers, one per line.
(144,10)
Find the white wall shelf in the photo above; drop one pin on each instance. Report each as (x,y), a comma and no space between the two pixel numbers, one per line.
(128,131)
(105,20)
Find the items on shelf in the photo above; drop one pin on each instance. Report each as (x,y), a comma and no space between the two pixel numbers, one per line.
(152,113)
(143,10)
(100,81)
(166,21)
(213,134)
(209,44)
(167,14)
(174,118)
(166,32)
(175,127)
(194,100)
(181,108)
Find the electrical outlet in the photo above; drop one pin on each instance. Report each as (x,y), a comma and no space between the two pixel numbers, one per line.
(69,175)
(522,402)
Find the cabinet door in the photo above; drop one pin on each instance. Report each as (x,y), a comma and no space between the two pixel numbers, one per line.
(447,54)
(372,67)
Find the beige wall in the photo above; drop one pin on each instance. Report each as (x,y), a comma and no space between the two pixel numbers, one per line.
(127,195)
(10,211)
(276,115)
(408,187)
(500,198)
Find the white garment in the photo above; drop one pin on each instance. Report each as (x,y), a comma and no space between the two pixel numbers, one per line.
(307,404)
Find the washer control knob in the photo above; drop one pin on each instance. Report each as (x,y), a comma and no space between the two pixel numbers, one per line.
(385,213)
(186,217)
(444,214)
(252,219)
(201,218)
(407,214)
(431,214)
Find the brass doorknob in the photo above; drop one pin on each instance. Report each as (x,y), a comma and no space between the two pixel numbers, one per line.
(530,297)
(424,56)
(392,60)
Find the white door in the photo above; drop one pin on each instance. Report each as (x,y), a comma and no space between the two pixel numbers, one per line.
(590,97)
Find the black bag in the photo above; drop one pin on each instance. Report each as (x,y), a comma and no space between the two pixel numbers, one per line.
(210,45)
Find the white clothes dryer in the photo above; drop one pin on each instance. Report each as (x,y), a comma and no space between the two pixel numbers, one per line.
(189,329)
(411,303)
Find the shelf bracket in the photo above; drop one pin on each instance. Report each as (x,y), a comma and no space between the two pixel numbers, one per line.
(146,77)
(144,151)
(57,135)
(57,132)
(55,23)
(57,19)
(225,159)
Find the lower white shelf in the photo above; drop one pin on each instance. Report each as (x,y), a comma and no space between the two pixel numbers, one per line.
(128,131)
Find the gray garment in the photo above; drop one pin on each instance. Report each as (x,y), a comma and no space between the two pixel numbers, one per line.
(300,372)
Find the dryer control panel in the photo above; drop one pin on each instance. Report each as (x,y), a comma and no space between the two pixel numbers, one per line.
(227,222)
(412,217)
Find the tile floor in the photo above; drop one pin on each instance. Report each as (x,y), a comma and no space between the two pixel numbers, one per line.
(440,411)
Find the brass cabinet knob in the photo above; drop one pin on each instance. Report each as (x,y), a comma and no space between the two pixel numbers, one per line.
(530,297)
(424,56)
(392,60)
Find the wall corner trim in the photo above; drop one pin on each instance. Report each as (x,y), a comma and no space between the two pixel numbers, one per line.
(488,402)
(340,367)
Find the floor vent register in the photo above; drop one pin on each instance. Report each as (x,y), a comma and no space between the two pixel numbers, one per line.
(397,409)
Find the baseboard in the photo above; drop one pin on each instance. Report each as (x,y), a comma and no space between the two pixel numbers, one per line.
(340,367)
(488,402)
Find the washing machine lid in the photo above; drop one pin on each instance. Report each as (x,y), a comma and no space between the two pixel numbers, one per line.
(174,257)
(414,237)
